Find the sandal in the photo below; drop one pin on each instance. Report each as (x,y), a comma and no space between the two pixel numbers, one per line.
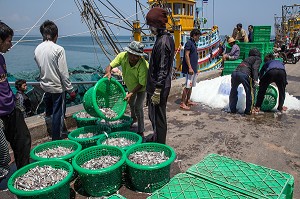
(184,107)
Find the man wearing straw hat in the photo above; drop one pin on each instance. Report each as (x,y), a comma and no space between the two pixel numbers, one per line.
(233,54)
(160,73)
(134,70)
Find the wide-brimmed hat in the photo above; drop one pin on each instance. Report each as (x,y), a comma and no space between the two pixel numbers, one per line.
(230,40)
(136,48)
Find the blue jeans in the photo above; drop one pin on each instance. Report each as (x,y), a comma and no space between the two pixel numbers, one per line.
(55,106)
(238,78)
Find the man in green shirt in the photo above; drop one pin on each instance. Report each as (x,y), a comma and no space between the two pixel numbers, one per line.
(134,70)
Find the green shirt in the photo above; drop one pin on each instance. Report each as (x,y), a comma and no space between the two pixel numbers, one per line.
(132,75)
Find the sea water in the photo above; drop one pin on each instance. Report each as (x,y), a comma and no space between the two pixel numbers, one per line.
(80,50)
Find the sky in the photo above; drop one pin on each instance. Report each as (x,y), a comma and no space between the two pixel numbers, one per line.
(23,14)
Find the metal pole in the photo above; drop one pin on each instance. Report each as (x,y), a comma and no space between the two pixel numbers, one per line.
(213,12)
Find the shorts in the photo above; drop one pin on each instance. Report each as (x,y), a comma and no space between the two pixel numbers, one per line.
(190,80)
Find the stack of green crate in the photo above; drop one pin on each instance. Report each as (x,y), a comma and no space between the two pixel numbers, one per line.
(261,33)
(243,177)
(242,46)
(261,46)
(230,66)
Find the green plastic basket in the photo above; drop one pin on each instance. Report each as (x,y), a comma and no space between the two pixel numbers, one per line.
(247,178)
(61,190)
(270,98)
(105,94)
(146,178)
(124,126)
(104,181)
(125,134)
(87,142)
(52,144)
(185,186)
(116,196)
(84,121)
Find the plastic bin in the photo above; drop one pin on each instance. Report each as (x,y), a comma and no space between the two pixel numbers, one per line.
(87,142)
(84,121)
(124,126)
(247,178)
(100,182)
(146,178)
(61,190)
(185,186)
(125,134)
(230,66)
(270,99)
(105,94)
(75,146)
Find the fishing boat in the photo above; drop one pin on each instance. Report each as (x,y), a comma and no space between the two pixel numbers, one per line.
(182,18)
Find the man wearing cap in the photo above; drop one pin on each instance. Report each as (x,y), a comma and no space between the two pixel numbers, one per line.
(160,73)
(234,53)
(134,70)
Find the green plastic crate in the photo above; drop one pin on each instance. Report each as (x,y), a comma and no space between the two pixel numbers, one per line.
(60,190)
(230,66)
(149,178)
(247,178)
(261,46)
(87,142)
(185,186)
(100,182)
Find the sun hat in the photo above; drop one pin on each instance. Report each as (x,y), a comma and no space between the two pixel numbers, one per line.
(136,48)
(230,40)
(157,17)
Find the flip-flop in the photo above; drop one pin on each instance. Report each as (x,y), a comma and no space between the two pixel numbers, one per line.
(184,107)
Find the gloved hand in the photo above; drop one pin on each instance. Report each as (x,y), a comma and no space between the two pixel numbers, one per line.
(155,99)
(72,95)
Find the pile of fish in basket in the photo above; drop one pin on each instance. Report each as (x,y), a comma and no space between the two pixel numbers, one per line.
(102,155)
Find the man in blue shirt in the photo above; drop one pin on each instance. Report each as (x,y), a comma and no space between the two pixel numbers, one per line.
(190,68)
(272,71)
(12,125)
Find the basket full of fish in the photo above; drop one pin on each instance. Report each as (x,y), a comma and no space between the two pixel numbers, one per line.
(122,124)
(122,139)
(100,169)
(105,100)
(59,149)
(148,166)
(82,118)
(45,179)
(88,135)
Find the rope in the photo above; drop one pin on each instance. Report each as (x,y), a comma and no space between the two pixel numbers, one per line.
(35,23)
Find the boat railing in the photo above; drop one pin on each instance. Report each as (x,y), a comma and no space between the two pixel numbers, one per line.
(77,82)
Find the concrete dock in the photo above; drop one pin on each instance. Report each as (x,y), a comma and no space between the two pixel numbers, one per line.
(267,139)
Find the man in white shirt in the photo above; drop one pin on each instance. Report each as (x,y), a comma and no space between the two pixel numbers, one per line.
(54,76)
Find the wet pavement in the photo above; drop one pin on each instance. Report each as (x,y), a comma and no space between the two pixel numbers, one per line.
(270,139)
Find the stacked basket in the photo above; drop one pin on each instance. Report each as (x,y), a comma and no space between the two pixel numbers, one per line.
(148,178)
(91,141)
(60,190)
(100,182)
